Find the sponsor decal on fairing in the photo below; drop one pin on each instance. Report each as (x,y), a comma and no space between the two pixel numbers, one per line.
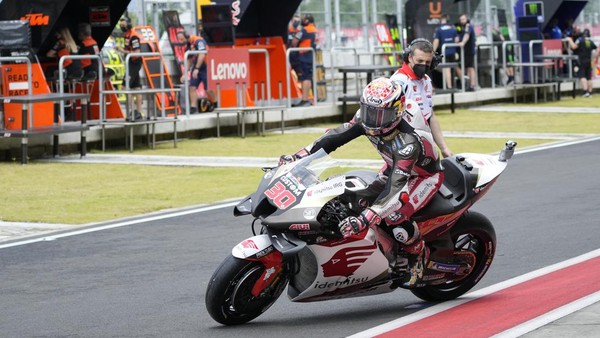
(347,260)
(300,227)
(332,187)
(347,282)
(309,213)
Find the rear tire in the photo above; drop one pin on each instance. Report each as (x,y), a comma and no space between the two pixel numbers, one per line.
(229,300)
(472,233)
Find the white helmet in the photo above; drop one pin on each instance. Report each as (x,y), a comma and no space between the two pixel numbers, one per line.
(381,106)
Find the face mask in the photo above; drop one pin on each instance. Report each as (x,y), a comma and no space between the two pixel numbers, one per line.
(123,29)
(295,24)
(420,70)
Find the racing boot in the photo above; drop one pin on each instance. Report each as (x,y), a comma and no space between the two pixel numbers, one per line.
(414,254)
(417,255)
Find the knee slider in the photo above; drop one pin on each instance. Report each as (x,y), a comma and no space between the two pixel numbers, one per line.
(406,232)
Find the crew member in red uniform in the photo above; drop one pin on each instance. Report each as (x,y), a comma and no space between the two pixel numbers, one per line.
(410,177)
(306,37)
(132,45)
(417,86)
(197,66)
(88,46)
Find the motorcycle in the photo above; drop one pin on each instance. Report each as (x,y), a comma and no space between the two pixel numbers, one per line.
(299,244)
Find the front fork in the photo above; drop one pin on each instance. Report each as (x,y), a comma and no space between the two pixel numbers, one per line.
(273,263)
(271,249)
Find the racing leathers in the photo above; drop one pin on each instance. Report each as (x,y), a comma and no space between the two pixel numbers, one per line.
(410,177)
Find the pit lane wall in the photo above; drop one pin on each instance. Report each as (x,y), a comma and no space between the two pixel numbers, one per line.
(204,125)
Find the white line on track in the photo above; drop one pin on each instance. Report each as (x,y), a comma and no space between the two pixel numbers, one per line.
(119,224)
(526,327)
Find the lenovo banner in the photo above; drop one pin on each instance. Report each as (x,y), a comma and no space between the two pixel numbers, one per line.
(227,66)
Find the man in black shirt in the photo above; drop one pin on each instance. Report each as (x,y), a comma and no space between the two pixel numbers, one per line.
(584,47)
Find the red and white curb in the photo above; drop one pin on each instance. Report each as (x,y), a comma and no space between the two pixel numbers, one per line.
(508,309)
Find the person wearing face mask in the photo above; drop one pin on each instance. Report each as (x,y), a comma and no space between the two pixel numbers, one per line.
(417,86)
(132,45)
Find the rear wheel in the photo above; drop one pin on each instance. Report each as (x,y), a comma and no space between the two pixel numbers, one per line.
(229,299)
(473,236)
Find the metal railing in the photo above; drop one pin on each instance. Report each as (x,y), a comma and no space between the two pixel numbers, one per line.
(141,91)
(332,66)
(462,62)
(61,79)
(186,78)
(288,69)
(268,72)
(491,46)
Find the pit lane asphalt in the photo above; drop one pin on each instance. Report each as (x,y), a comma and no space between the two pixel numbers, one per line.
(582,323)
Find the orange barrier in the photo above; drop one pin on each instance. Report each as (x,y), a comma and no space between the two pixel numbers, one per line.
(15,82)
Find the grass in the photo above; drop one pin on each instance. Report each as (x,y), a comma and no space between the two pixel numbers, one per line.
(84,193)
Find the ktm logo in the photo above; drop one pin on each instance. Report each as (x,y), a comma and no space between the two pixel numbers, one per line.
(346,261)
(36,19)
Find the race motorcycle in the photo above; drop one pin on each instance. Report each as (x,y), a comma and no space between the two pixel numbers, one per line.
(299,243)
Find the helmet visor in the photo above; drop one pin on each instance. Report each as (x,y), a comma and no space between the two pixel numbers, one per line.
(376,118)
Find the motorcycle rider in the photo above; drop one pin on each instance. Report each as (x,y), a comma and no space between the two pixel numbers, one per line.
(410,177)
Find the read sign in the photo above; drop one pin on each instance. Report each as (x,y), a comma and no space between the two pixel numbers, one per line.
(227,66)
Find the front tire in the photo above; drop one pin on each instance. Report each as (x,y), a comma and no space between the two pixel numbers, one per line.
(229,300)
(473,234)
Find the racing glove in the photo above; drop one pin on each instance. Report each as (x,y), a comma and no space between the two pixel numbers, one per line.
(286,159)
(353,225)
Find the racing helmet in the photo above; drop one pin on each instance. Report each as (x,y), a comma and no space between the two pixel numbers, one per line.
(381,106)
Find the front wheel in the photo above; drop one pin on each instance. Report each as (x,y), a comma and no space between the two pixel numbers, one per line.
(473,235)
(229,299)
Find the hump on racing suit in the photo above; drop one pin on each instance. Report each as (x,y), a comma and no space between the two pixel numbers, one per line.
(414,117)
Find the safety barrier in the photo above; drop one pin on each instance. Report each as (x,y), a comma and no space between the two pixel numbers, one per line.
(462,62)
(150,124)
(28,127)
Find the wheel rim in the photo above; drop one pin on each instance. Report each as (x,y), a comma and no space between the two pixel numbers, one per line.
(241,303)
(476,248)
(241,297)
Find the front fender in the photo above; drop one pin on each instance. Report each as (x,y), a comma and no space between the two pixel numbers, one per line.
(253,247)
(257,247)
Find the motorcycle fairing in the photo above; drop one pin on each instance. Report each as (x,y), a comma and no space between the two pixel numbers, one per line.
(489,167)
(354,267)
(306,207)
(465,176)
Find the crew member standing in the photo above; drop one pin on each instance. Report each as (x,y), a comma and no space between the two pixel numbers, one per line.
(584,47)
(466,35)
(446,34)
(132,45)
(197,66)
(416,85)
(306,37)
